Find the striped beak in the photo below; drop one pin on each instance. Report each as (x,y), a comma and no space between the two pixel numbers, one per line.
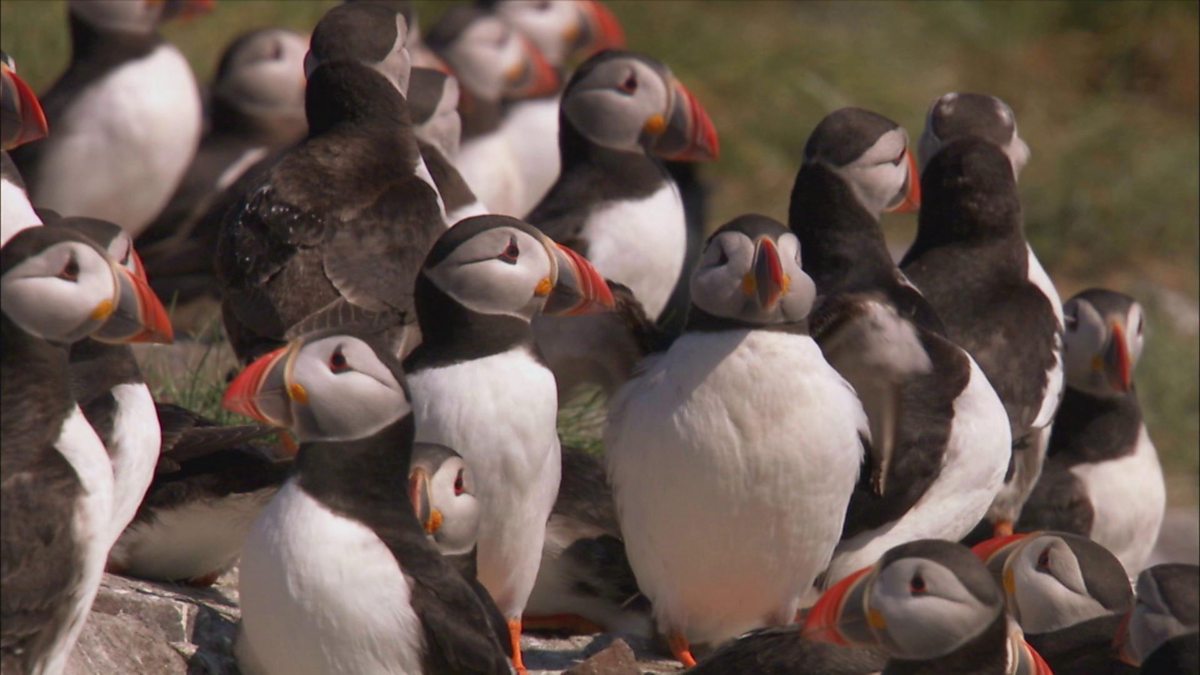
(579,289)
(261,391)
(911,203)
(20,110)
(138,315)
(687,134)
(841,616)
(601,30)
(1117,364)
(419,494)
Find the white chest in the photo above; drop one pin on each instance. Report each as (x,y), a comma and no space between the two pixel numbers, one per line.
(1128,499)
(121,147)
(322,594)
(640,244)
(16,213)
(532,129)
(490,168)
(134,448)
(732,459)
(1054,379)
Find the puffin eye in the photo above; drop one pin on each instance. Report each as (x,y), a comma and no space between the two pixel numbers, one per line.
(916,585)
(543,6)
(1070,322)
(337,362)
(900,157)
(1043,561)
(630,84)
(459,486)
(70,270)
(1140,326)
(723,258)
(511,252)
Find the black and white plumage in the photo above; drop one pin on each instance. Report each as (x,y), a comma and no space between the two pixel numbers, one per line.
(480,387)
(344,216)
(742,431)
(394,604)
(1162,633)
(933,608)
(964,115)
(1068,593)
(255,109)
(561,31)
(971,262)
(940,438)
(493,63)
(433,101)
(1102,478)
(126,116)
(21,121)
(57,490)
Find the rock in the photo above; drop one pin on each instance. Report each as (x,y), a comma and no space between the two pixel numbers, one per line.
(615,659)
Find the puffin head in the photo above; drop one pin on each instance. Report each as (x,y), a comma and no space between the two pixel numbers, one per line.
(433,103)
(441,489)
(564,29)
(870,153)
(1102,341)
(261,74)
(331,385)
(960,115)
(1167,608)
(135,16)
(61,286)
(1052,580)
(632,103)
(370,33)
(750,273)
(21,117)
(497,265)
(490,59)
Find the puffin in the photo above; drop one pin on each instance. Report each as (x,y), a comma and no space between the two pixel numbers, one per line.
(493,64)
(940,435)
(1068,593)
(105,379)
(433,101)
(766,476)
(956,115)
(1161,634)
(971,262)
(21,121)
(932,607)
(126,116)
(1102,478)
(255,109)
(395,604)
(343,217)
(479,386)
(56,287)
(441,489)
(562,31)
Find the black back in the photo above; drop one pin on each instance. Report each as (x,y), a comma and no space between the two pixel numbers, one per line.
(1082,649)
(783,650)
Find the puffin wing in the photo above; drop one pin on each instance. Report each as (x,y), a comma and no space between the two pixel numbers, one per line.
(187,435)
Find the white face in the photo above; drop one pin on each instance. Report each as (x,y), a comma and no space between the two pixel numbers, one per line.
(444,128)
(1089,336)
(498,271)
(131,16)
(926,611)
(553,25)
(929,143)
(61,294)
(452,494)
(268,72)
(1152,622)
(396,66)
(488,58)
(339,389)
(618,103)
(725,282)
(879,177)
(1045,588)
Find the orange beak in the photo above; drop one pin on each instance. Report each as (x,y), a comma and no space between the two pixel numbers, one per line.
(912,196)
(139,315)
(580,289)
(770,283)
(1117,362)
(1036,662)
(839,609)
(259,391)
(986,550)
(603,27)
(22,110)
(689,134)
(536,77)
(1121,642)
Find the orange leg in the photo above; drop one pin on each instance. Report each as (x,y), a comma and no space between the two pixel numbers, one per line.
(681,650)
(1002,528)
(570,623)
(514,636)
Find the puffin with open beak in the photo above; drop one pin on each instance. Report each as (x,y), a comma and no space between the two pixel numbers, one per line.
(742,429)
(1102,478)
(480,387)
(1161,634)
(307,607)
(1068,593)
(933,607)
(21,121)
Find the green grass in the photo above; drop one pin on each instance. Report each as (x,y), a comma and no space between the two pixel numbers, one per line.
(1106,95)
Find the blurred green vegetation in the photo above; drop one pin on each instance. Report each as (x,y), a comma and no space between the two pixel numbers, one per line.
(1106,95)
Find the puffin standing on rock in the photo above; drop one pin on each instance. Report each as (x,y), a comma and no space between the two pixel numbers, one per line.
(126,116)
(768,475)
(22,121)
(337,574)
(971,262)
(57,489)
(344,217)
(480,387)
(940,437)
(1102,478)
